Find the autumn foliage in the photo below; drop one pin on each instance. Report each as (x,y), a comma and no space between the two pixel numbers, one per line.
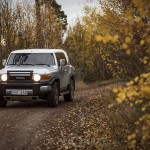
(112,41)
(106,43)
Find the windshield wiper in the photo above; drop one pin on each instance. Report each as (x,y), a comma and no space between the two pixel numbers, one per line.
(11,64)
(27,64)
(43,64)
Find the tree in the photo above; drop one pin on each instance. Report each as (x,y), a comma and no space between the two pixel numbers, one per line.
(38,24)
(7,23)
(136,42)
(26,25)
(117,38)
(81,43)
(104,58)
(0,33)
(52,8)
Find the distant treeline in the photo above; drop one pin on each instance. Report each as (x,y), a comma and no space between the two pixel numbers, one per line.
(108,42)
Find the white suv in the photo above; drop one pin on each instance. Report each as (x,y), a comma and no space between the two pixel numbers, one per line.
(37,74)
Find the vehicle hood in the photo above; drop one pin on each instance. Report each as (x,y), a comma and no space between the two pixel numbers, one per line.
(35,69)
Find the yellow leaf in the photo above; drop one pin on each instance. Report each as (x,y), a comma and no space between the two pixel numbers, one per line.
(137,19)
(122,95)
(128,40)
(142,42)
(131,105)
(136,79)
(119,100)
(115,90)
(143,109)
(124,46)
(145,61)
(110,106)
(128,52)
(98,38)
(116,38)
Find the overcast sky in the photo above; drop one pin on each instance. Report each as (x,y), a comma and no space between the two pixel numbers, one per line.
(74,8)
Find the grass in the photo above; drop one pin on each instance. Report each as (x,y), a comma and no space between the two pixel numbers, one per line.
(81,85)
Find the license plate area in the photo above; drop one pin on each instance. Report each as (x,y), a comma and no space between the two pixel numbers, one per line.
(19,92)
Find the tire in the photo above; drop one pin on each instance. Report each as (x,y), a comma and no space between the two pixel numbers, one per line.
(3,102)
(70,96)
(53,96)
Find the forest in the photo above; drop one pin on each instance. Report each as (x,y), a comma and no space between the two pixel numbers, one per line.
(110,42)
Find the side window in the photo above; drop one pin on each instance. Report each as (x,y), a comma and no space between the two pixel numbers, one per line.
(60,56)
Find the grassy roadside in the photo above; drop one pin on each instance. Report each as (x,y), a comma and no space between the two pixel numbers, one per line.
(80,85)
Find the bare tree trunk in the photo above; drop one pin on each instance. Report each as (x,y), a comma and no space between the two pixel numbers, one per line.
(38,25)
(1,34)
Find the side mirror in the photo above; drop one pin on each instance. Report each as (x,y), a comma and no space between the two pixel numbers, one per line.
(3,62)
(62,62)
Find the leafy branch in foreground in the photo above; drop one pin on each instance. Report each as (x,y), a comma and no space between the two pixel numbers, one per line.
(137,91)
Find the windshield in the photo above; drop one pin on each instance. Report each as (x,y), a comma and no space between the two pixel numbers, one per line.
(31,59)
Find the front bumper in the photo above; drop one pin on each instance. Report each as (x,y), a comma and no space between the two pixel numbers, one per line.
(31,89)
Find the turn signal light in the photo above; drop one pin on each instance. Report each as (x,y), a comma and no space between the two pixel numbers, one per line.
(45,76)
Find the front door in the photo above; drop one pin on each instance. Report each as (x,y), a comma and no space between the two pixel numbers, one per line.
(64,71)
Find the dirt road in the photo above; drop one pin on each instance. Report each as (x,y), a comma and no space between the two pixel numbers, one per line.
(31,125)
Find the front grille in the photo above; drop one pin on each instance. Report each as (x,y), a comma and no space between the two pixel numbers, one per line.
(20,76)
(19,87)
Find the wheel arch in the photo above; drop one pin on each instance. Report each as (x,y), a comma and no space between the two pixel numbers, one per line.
(56,79)
(72,77)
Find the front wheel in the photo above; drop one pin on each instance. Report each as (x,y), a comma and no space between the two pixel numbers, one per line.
(3,102)
(70,96)
(53,96)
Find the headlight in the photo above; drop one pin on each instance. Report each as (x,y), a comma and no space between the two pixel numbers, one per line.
(4,77)
(36,77)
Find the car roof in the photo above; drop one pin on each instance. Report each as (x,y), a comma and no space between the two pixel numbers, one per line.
(39,51)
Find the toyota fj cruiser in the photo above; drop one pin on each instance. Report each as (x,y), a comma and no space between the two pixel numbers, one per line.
(35,74)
